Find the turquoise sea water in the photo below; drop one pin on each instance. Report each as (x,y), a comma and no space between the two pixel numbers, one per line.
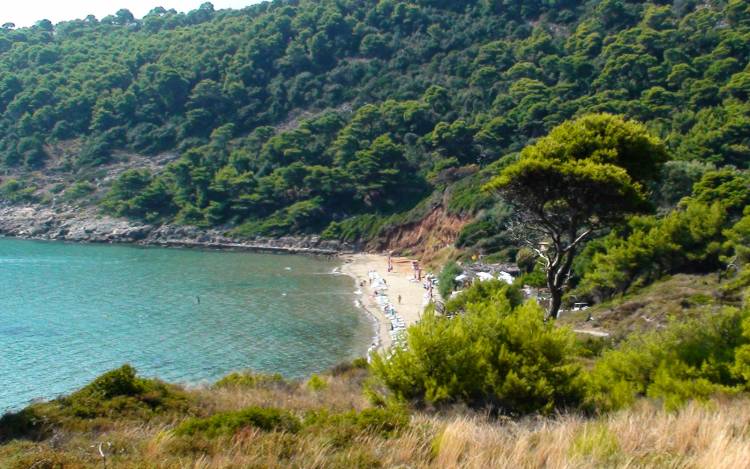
(70,312)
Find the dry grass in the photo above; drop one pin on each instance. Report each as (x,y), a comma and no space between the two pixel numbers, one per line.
(340,394)
(714,435)
(699,436)
(680,296)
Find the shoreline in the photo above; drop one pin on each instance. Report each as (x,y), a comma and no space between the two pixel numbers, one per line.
(381,339)
(316,366)
(398,284)
(86,225)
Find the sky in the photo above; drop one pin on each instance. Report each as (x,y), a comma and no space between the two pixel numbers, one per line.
(28,12)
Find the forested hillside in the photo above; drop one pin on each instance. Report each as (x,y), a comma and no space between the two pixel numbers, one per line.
(333,115)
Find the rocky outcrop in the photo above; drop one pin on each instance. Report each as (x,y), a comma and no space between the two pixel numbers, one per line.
(75,224)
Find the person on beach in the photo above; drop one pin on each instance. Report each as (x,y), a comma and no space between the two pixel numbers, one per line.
(399,299)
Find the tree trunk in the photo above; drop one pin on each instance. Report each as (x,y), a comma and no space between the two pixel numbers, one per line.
(557,277)
(555,302)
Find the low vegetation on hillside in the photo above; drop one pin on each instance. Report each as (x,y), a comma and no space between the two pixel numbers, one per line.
(690,414)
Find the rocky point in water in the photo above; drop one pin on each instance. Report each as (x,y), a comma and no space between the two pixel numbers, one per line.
(68,223)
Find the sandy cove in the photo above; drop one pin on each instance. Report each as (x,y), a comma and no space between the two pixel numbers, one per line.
(400,282)
(86,225)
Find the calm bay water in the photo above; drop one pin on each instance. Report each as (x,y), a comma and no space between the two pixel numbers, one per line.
(70,312)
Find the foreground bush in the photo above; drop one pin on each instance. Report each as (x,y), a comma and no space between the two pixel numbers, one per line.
(238,434)
(687,361)
(342,428)
(121,392)
(228,423)
(492,355)
(114,396)
(249,380)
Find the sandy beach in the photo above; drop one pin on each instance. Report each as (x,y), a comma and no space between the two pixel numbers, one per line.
(399,281)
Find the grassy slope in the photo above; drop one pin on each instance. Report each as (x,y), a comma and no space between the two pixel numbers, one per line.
(678,297)
(712,435)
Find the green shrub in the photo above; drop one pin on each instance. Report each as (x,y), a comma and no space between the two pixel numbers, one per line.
(362,227)
(248,380)
(447,279)
(526,260)
(484,293)
(27,423)
(316,383)
(689,360)
(741,367)
(342,428)
(358,366)
(488,233)
(728,186)
(122,393)
(686,240)
(117,394)
(738,240)
(78,190)
(492,355)
(229,423)
(466,196)
(536,278)
(360,363)
(738,285)
(592,347)
(15,191)
(302,216)
(120,382)
(138,194)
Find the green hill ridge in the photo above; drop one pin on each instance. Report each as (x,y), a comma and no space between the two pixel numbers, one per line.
(331,116)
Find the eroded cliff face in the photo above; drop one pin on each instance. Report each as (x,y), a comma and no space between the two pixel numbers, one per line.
(423,239)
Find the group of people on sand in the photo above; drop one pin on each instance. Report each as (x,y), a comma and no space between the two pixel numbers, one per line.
(417,276)
(397,324)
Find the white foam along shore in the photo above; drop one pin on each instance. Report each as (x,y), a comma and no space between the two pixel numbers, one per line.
(393,298)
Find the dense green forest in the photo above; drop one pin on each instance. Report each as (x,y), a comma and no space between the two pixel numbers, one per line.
(330,116)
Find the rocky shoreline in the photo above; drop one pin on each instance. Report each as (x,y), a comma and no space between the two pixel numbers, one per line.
(86,225)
